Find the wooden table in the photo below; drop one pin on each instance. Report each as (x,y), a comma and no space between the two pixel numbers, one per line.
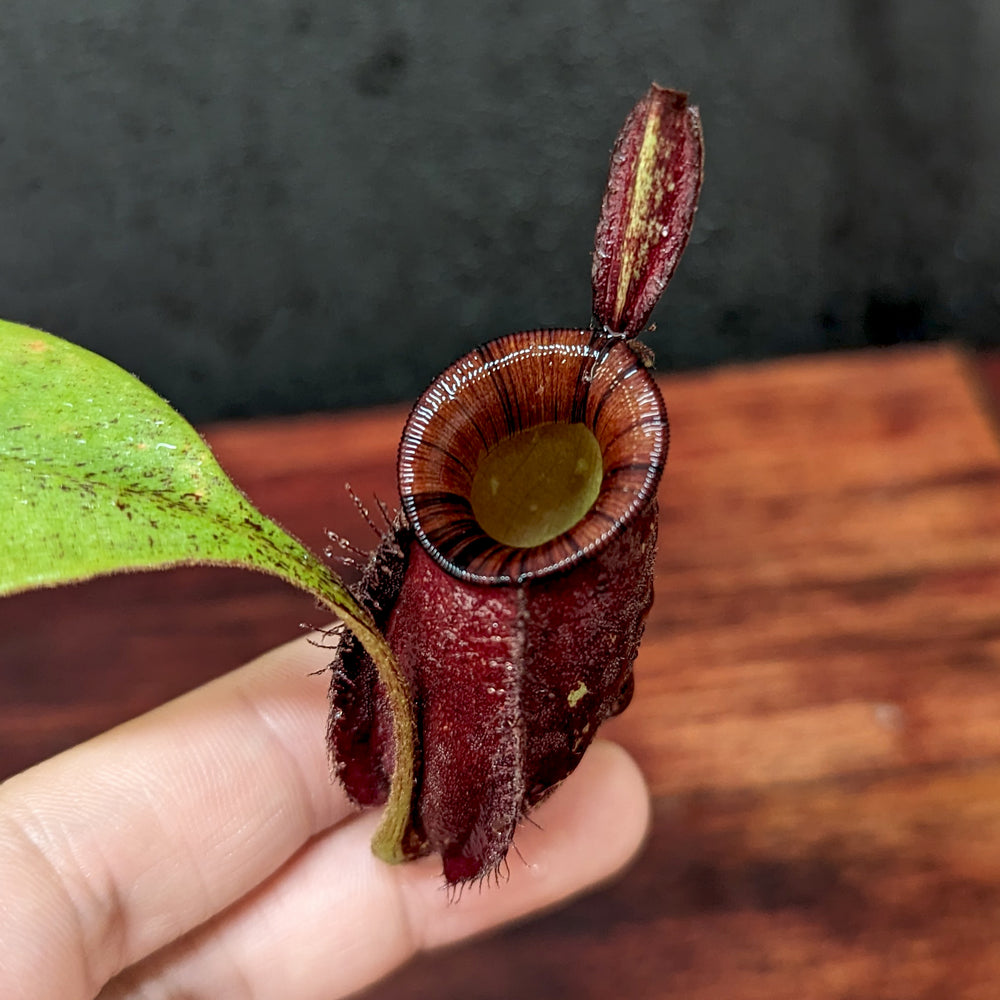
(818,693)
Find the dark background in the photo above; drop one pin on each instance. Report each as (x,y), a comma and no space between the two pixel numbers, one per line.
(263,206)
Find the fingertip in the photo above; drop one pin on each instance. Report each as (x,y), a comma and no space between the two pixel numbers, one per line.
(589,830)
(627,806)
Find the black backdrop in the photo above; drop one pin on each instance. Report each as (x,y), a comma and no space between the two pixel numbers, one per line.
(263,206)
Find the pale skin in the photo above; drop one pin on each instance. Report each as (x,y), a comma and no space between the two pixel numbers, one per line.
(203,851)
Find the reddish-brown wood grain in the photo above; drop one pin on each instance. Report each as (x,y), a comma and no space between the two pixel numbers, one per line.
(817,698)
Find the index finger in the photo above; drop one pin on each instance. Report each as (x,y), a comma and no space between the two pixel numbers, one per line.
(120,845)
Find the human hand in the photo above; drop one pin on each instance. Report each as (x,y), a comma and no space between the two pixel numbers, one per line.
(203,851)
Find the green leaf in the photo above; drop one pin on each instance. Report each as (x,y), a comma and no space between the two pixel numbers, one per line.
(99,475)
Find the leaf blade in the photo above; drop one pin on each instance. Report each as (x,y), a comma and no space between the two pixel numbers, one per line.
(100,475)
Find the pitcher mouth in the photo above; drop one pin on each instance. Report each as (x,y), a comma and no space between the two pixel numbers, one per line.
(531,453)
